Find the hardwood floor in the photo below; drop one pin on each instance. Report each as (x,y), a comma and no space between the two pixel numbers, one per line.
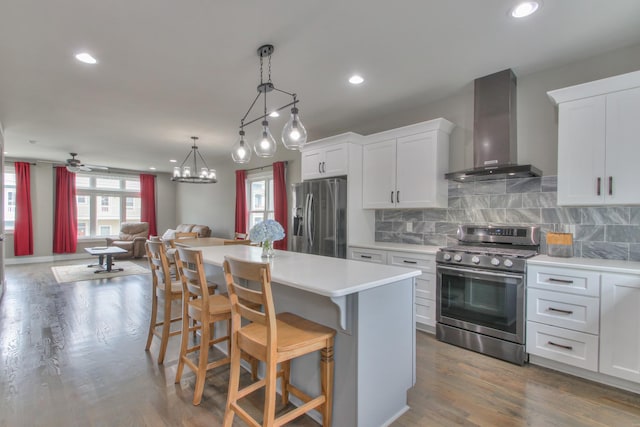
(73,355)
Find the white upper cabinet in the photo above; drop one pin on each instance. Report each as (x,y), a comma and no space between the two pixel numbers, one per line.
(405,167)
(599,141)
(328,157)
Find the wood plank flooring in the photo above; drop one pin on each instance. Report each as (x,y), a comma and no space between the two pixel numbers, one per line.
(73,355)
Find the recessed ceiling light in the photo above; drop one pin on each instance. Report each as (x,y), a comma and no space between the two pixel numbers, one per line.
(355,79)
(524,9)
(86,58)
(173,161)
(274,114)
(152,168)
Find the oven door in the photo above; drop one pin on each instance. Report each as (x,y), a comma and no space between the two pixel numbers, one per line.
(487,302)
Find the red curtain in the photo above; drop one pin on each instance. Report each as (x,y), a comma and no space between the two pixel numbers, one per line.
(23,232)
(65,230)
(280,201)
(241,202)
(148,199)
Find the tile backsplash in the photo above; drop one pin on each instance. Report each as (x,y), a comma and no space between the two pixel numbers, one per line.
(611,232)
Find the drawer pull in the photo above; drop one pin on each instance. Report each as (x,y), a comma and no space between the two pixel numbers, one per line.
(566,347)
(406,261)
(366,256)
(551,279)
(560,310)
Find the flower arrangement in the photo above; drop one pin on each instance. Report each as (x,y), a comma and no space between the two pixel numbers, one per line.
(266,232)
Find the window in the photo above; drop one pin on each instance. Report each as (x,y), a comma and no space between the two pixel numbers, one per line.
(9,197)
(260,198)
(104,202)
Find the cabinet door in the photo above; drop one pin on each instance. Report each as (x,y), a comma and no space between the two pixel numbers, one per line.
(581,152)
(379,175)
(620,326)
(623,147)
(416,178)
(336,160)
(312,164)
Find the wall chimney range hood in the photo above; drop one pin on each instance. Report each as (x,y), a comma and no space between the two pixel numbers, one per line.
(495,148)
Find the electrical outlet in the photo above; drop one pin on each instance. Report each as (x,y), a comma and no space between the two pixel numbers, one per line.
(409,227)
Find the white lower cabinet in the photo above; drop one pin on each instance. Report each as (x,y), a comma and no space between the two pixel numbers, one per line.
(585,318)
(425,284)
(620,326)
(563,315)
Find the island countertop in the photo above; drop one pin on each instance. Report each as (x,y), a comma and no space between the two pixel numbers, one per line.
(330,277)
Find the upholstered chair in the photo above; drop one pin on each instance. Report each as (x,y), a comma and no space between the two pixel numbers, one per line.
(132,238)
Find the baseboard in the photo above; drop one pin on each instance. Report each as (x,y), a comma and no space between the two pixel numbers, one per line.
(39,259)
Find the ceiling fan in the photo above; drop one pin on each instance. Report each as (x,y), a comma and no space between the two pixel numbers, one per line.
(75,165)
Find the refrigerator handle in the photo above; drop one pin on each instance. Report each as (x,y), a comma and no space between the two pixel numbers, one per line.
(310,221)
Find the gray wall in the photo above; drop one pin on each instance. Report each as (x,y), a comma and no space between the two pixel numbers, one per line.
(215,204)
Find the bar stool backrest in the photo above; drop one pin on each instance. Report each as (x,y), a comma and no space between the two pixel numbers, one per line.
(192,275)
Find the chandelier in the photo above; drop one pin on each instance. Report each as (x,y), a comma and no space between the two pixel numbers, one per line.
(294,135)
(185,173)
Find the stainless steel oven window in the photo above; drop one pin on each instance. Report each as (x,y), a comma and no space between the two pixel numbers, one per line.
(489,303)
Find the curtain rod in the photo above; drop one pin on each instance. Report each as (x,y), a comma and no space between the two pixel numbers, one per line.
(286,162)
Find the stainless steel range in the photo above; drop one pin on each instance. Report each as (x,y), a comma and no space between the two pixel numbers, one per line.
(480,294)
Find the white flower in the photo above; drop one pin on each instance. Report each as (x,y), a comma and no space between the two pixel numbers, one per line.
(267,230)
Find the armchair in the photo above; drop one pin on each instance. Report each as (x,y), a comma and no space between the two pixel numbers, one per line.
(132,238)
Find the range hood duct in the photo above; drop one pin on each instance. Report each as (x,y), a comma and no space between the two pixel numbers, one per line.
(495,144)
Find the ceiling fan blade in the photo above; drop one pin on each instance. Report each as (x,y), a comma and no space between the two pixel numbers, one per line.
(97,167)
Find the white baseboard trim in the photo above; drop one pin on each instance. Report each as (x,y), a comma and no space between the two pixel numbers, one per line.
(39,259)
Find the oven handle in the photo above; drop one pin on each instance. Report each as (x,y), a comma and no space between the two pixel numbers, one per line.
(478,274)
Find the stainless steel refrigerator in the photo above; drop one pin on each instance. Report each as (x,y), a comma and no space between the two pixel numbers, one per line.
(319,217)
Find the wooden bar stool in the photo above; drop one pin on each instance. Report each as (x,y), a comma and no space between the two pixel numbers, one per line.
(204,309)
(273,339)
(165,287)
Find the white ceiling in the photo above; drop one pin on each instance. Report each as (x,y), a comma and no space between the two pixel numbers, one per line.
(170,69)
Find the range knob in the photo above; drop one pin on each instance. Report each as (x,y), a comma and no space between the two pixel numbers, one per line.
(496,262)
(457,258)
(475,260)
(508,263)
(446,257)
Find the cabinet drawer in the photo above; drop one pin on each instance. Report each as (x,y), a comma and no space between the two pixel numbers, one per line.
(567,280)
(575,312)
(425,311)
(426,286)
(368,255)
(426,263)
(563,345)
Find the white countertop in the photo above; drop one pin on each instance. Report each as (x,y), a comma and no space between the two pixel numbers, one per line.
(604,265)
(331,277)
(404,247)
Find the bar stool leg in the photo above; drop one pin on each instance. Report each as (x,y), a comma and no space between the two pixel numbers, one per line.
(286,374)
(203,358)
(234,384)
(326,372)
(271,377)
(166,326)
(184,342)
(154,319)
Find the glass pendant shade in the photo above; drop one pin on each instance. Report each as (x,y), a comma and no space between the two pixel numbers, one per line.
(241,152)
(294,135)
(186,171)
(266,146)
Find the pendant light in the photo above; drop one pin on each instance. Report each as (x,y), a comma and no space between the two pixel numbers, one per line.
(294,134)
(188,172)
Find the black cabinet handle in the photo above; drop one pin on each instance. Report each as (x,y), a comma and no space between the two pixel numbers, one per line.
(392,197)
(611,186)
(324,169)
(365,256)
(319,167)
(568,282)
(406,261)
(598,186)
(398,196)
(566,347)
(560,311)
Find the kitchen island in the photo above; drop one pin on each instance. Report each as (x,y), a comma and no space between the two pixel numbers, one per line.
(371,308)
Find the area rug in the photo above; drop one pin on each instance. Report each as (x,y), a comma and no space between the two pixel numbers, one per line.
(79,272)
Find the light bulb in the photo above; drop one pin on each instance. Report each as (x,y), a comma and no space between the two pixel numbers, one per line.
(294,135)
(212,174)
(266,147)
(204,172)
(241,152)
(186,172)
(176,172)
